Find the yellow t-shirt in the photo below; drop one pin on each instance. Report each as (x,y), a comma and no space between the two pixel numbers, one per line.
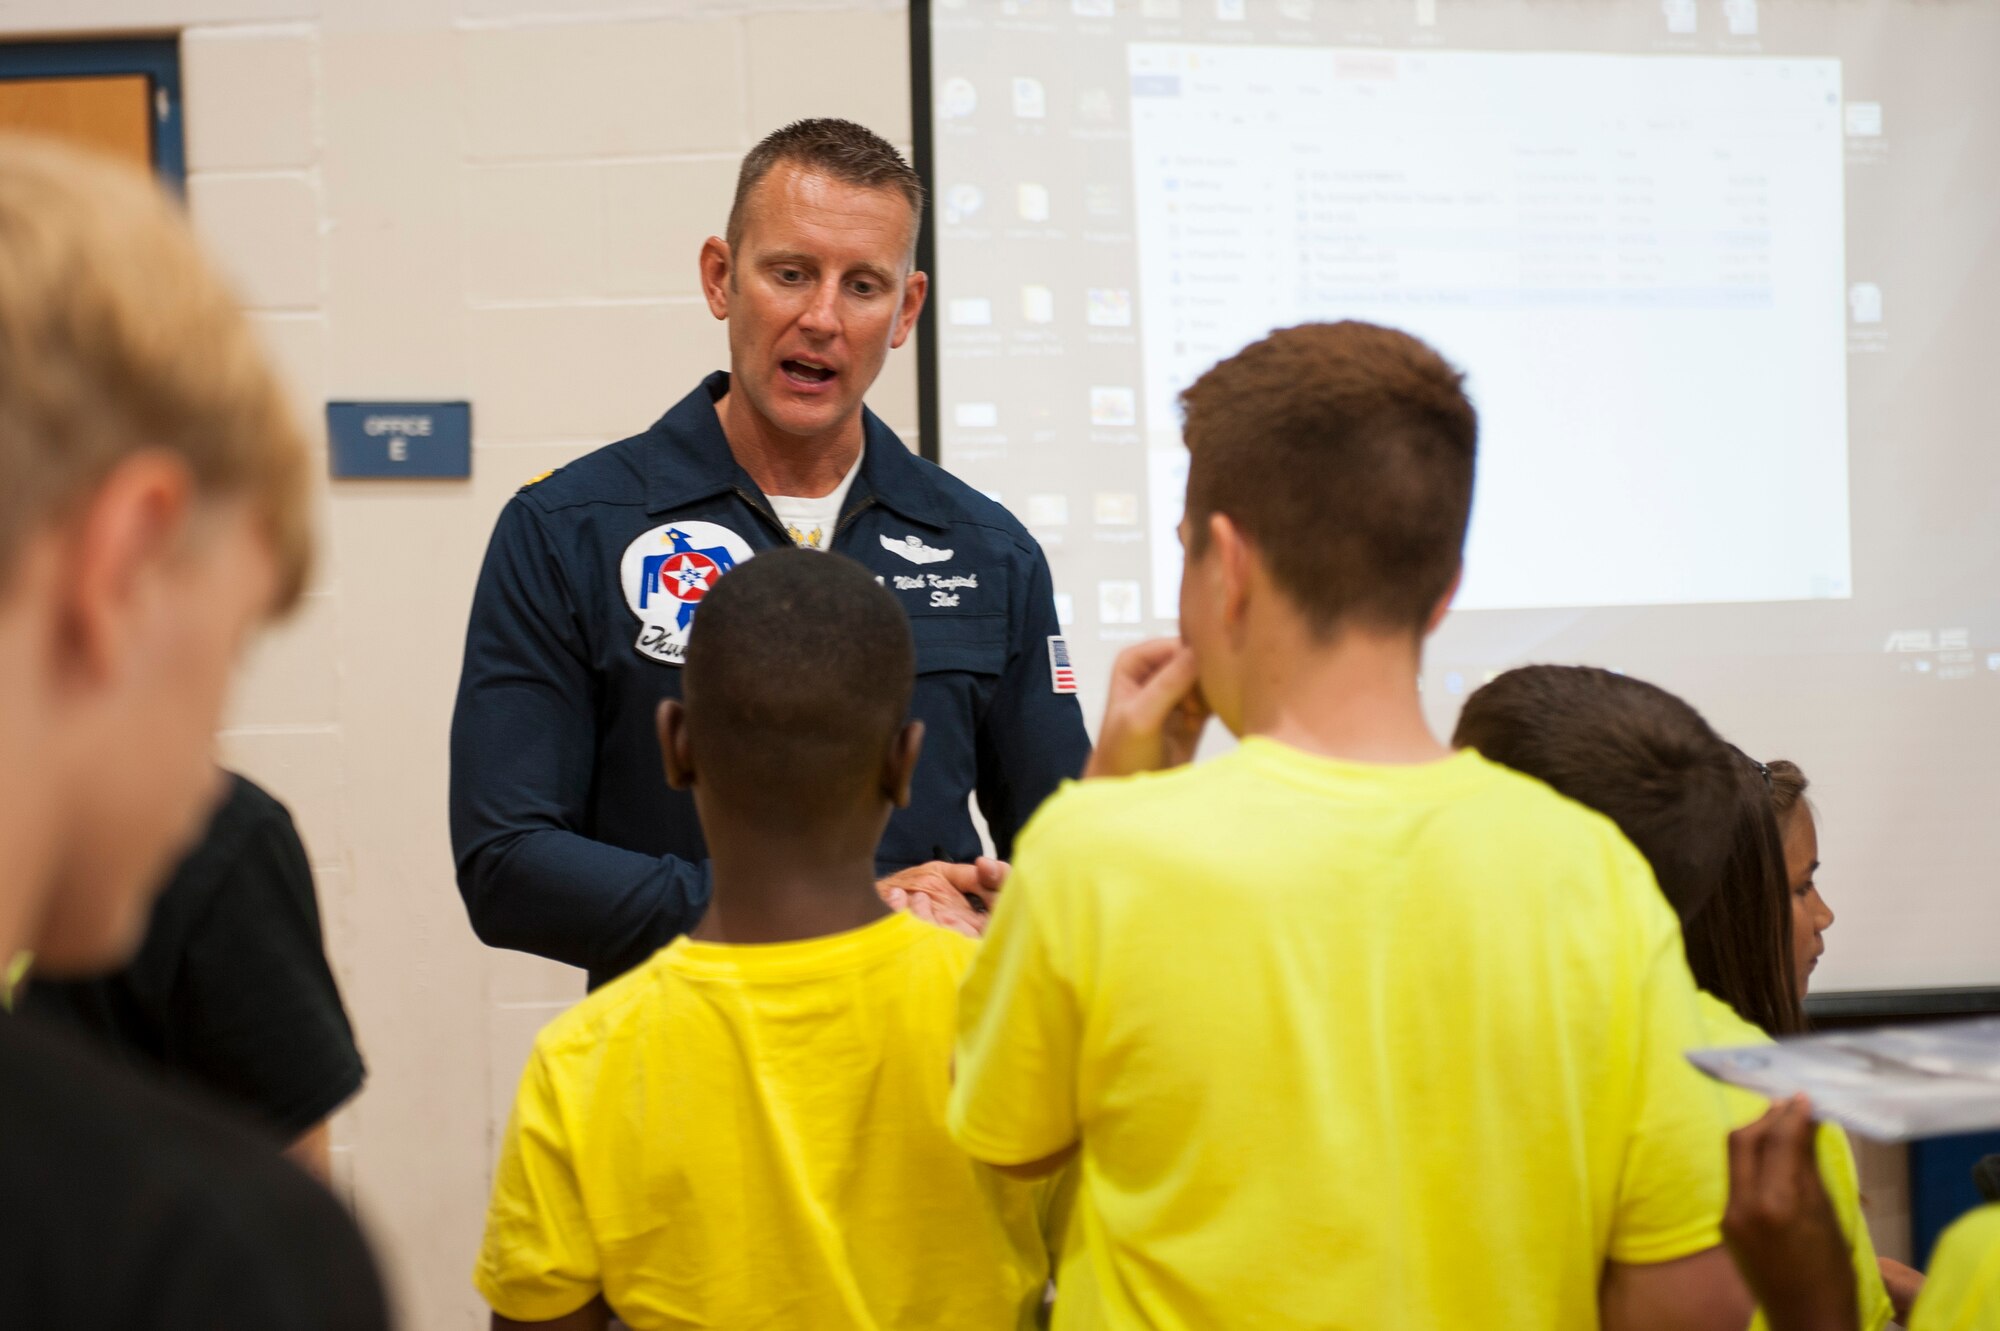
(753,1136)
(1724,1029)
(1962,1288)
(1344,1045)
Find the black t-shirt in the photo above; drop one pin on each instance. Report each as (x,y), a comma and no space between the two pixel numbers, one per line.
(125,1204)
(231,988)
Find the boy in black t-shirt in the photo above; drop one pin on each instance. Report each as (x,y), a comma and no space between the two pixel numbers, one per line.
(231,990)
(153,512)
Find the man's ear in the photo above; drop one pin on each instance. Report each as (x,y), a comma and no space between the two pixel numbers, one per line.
(901,764)
(116,551)
(716,261)
(674,752)
(1443,607)
(914,289)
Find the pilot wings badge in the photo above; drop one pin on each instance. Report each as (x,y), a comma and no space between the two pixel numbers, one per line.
(913,549)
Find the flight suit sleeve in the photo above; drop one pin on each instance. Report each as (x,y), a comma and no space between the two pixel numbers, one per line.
(523,753)
(1031,738)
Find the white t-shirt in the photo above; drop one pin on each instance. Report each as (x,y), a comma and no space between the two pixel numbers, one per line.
(810,522)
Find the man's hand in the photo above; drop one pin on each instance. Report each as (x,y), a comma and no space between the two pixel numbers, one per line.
(1154,714)
(1781,1229)
(938,892)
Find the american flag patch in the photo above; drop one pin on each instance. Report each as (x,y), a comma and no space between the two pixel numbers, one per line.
(1062,675)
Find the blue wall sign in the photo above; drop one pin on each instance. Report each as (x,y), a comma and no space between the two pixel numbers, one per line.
(400,438)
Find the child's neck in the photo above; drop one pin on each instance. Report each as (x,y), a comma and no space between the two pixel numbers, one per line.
(28,820)
(1354,699)
(780,889)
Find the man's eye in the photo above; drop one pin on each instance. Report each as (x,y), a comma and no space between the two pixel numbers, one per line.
(864,288)
(790,275)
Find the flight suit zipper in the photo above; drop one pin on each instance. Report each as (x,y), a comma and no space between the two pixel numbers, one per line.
(762,507)
(764,510)
(867,502)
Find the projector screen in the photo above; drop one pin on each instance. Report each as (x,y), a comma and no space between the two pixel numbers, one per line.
(1725,280)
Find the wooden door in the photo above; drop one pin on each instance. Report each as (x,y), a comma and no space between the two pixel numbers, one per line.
(110,113)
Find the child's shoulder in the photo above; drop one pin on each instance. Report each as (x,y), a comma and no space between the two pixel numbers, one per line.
(603,1014)
(1103,805)
(935,945)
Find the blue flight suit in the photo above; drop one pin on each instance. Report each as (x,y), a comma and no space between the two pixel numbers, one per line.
(568,842)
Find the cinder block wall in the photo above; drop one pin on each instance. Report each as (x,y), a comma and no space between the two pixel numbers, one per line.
(492,199)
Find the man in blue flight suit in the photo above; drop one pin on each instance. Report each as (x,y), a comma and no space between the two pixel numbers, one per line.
(568,842)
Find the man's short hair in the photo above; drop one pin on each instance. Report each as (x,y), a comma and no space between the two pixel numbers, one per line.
(799,674)
(1628,749)
(116,337)
(849,153)
(1345,453)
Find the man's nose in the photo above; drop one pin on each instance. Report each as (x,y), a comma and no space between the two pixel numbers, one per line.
(821,317)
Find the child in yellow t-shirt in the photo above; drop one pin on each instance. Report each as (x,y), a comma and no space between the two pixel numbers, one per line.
(1702,814)
(1963,1290)
(748,1130)
(1343,1029)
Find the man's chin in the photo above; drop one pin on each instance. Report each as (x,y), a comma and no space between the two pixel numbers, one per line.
(814,416)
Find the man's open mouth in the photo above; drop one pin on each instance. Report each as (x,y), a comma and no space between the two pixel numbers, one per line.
(806,372)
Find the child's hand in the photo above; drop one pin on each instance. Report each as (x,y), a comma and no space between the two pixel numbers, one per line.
(1904,1283)
(1154,714)
(1781,1228)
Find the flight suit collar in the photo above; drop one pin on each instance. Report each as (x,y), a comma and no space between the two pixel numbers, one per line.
(690,461)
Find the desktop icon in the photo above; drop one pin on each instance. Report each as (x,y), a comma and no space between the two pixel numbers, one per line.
(1031,101)
(1115,510)
(1118,602)
(1864,120)
(962,203)
(1108,307)
(957,99)
(1115,408)
(1048,510)
(1031,201)
(1864,301)
(969,311)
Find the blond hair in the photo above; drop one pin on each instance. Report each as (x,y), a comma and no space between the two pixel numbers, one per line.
(116,336)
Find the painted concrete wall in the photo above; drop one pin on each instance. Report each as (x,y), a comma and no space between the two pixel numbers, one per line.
(499,200)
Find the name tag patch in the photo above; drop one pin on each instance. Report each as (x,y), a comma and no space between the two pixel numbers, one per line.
(946,589)
(666,573)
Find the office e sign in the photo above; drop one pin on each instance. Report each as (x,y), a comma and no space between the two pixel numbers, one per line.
(420,439)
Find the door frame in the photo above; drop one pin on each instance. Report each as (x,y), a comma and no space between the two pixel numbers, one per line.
(157,58)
